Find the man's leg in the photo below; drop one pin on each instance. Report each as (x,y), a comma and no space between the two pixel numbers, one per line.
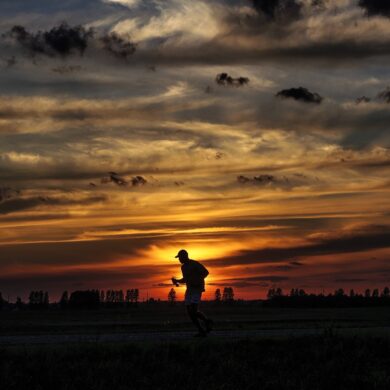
(201,316)
(207,321)
(192,310)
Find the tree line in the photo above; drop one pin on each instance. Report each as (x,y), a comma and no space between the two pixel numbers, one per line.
(226,296)
(80,298)
(276,297)
(339,298)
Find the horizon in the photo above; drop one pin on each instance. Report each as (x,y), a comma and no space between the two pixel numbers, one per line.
(256,138)
(208,296)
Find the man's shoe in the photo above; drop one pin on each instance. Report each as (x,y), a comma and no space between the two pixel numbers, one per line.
(201,334)
(209,325)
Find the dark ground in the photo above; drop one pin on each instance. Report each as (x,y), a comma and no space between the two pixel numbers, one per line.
(162,318)
(151,347)
(320,362)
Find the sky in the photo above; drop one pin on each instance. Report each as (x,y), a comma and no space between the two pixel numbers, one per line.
(253,133)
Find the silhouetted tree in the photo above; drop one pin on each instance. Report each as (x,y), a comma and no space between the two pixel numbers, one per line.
(120,296)
(275,292)
(46,299)
(294,292)
(278,292)
(109,296)
(339,292)
(386,292)
(64,300)
(172,296)
(136,295)
(38,299)
(302,293)
(19,303)
(218,295)
(88,299)
(32,298)
(129,296)
(132,295)
(228,294)
(114,296)
(271,293)
(298,298)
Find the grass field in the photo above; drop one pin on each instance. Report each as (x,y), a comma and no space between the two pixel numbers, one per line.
(172,318)
(336,358)
(326,362)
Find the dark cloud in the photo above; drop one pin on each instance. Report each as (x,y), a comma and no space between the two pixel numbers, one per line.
(376,7)
(10,62)
(261,179)
(62,40)
(252,281)
(351,280)
(21,204)
(277,268)
(385,95)
(269,278)
(226,80)
(68,253)
(138,181)
(113,177)
(118,46)
(265,180)
(369,238)
(317,3)
(324,53)
(296,263)
(300,94)
(278,9)
(83,277)
(65,40)
(362,99)
(36,217)
(7,193)
(67,69)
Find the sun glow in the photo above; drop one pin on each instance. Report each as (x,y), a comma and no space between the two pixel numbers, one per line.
(201,251)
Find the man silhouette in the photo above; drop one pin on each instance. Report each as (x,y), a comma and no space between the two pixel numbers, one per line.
(194,275)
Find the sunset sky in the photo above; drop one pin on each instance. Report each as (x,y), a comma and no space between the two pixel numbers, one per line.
(253,133)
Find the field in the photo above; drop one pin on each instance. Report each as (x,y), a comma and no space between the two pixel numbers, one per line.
(163,317)
(251,348)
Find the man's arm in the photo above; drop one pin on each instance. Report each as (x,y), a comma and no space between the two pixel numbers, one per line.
(177,281)
(203,271)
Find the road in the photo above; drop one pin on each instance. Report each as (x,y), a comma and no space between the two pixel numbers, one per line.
(182,335)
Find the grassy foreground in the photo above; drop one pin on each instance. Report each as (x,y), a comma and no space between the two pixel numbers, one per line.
(326,362)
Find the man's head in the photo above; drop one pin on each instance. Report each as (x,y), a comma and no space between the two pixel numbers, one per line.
(182,255)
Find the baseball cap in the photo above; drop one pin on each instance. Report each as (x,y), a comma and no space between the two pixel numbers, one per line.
(181,253)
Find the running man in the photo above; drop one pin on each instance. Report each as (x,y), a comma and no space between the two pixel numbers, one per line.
(194,275)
